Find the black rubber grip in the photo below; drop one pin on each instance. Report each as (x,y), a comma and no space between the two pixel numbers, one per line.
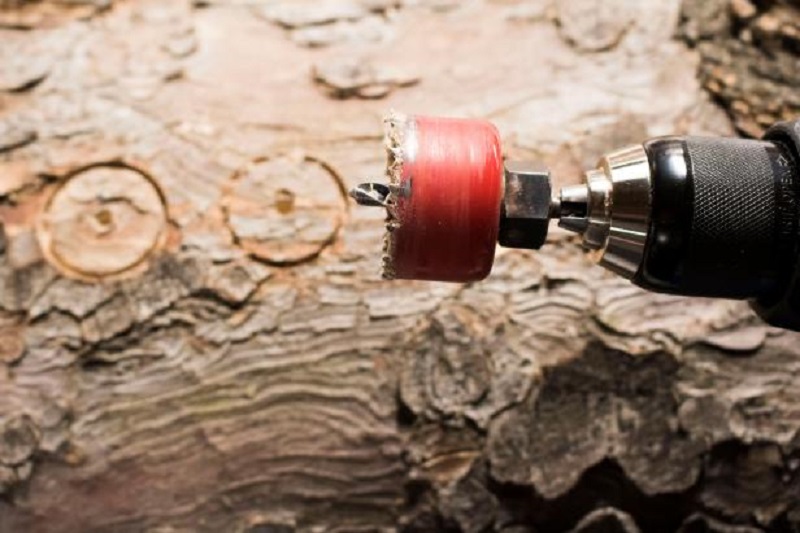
(723,217)
(734,234)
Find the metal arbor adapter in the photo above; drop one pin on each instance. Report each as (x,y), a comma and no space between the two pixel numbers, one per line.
(695,216)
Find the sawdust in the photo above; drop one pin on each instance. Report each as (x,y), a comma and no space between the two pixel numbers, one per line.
(396,126)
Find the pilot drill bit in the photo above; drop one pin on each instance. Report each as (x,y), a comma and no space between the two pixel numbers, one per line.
(370,194)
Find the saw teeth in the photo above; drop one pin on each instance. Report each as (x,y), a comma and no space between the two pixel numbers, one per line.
(395,125)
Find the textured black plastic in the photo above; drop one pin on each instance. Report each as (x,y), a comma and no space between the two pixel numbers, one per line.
(733,233)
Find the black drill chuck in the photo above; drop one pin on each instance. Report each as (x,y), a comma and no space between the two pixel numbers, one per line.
(703,217)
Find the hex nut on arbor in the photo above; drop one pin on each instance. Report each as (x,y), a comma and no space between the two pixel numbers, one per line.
(525,216)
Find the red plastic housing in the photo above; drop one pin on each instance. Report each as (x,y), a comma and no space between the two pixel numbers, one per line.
(448,207)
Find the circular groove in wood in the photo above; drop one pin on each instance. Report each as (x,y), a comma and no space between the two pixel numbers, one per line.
(104,220)
(285,210)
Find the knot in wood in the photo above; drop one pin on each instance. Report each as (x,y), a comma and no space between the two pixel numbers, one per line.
(285,210)
(103,221)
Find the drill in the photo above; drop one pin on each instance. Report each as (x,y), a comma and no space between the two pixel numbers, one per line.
(693,216)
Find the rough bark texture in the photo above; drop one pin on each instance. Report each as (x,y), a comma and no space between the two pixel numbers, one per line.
(751,57)
(194,335)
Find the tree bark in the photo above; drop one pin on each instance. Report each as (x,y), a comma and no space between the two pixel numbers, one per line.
(750,51)
(194,335)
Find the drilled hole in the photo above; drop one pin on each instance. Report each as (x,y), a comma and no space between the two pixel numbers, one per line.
(104,217)
(102,221)
(284,201)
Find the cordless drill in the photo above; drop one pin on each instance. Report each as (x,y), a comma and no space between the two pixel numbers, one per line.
(694,216)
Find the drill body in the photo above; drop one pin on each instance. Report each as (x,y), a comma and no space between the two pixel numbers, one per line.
(692,216)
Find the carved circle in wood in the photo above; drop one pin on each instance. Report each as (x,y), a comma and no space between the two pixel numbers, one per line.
(104,220)
(285,210)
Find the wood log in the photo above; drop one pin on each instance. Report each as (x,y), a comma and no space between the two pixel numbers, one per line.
(194,335)
(750,51)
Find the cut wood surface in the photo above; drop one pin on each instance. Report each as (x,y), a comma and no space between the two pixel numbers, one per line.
(194,335)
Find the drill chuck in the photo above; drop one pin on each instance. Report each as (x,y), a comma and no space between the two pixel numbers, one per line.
(612,210)
(695,216)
